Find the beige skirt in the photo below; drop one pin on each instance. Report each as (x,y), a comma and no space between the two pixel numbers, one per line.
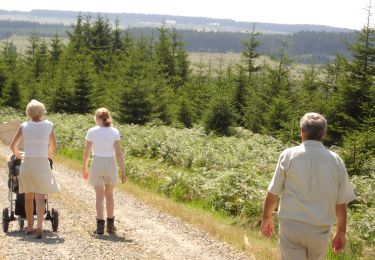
(36,176)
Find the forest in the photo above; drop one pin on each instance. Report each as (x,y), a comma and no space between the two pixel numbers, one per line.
(145,79)
(149,81)
(303,46)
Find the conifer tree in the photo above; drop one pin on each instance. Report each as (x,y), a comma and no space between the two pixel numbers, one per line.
(101,34)
(249,54)
(219,117)
(8,68)
(135,108)
(355,98)
(240,97)
(279,80)
(184,113)
(76,37)
(55,50)
(182,64)
(82,84)
(12,94)
(163,53)
(117,42)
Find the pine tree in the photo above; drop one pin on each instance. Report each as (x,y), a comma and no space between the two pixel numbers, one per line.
(82,90)
(163,53)
(76,37)
(250,54)
(101,34)
(279,80)
(32,46)
(181,63)
(62,100)
(12,94)
(3,77)
(354,101)
(219,117)
(134,105)
(56,48)
(184,113)
(117,42)
(240,97)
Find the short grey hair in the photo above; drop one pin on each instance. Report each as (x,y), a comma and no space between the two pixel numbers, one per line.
(35,109)
(314,126)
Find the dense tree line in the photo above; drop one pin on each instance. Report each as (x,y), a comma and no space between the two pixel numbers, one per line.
(304,46)
(23,28)
(148,79)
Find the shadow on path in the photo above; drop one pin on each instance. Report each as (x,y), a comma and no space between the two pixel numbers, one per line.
(113,238)
(49,237)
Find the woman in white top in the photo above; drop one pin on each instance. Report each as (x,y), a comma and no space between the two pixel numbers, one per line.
(104,142)
(35,179)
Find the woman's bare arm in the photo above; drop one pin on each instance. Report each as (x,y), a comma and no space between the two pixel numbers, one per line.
(52,144)
(120,160)
(86,155)
(15,142)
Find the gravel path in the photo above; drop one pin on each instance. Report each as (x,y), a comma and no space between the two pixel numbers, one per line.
(143,232)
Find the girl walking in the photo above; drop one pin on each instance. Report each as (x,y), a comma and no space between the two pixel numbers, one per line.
(103,141)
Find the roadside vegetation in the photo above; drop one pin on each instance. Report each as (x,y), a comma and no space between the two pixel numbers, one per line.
(216,183)
(208,137)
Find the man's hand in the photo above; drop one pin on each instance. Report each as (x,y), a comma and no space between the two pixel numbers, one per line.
(269,206)
(267,227)
(338,242)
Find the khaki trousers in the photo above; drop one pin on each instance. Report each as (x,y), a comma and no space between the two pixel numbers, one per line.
(300,241)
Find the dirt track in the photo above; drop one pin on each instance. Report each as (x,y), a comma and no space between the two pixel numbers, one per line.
(143,232)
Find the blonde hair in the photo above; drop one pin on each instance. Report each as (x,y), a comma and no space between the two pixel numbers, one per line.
(103,114)
(35,109)
(314,126)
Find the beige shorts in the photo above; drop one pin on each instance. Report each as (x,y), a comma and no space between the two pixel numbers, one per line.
(300,241)
(36,176)
(103,170)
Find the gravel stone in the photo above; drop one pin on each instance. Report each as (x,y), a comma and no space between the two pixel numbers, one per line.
(142,231)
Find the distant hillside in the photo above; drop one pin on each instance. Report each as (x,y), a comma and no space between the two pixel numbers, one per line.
(179,22)
(304,46)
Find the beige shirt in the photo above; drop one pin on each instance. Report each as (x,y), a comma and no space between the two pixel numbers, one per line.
(310,180)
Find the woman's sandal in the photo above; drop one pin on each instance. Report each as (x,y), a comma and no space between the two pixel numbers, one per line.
(39,234)
(30,232)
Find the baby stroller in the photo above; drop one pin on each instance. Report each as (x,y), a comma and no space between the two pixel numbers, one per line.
(17,204)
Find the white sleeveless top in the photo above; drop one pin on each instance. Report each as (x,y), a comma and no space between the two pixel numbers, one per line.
(36,138)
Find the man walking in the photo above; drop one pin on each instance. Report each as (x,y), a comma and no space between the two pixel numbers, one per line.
(314,190)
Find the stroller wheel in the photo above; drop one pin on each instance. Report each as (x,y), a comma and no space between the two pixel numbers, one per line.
(6,220)
(21,223)
(55,219)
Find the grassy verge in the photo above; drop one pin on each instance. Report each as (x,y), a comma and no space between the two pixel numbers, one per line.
(225,228)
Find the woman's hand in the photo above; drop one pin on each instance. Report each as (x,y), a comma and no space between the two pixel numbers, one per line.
(85,173)
(19,155)
(123,178)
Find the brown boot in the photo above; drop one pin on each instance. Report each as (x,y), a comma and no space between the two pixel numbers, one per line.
(111,225)
(100,223)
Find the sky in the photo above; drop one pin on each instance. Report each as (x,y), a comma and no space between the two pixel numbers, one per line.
(339,13)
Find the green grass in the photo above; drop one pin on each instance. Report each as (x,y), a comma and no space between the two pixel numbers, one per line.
(226,177)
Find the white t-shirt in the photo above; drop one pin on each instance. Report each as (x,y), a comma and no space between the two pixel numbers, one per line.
(36,138)
(103,140)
